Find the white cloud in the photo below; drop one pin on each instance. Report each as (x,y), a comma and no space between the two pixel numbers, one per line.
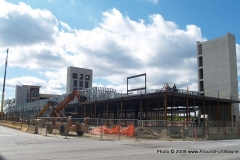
(23,80)
(27,80)
(115,49)
(153,1)
(23,26)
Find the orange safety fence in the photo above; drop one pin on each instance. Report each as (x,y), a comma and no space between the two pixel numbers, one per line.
(128,131)
(98,130)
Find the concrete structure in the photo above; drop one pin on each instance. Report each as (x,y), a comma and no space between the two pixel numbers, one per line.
(217,70)
(26,93)
(78,79)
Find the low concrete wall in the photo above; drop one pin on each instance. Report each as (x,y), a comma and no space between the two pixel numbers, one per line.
(32,129)
(222,136)
(196,132)
(16,125)
(233,135)
(8,124)
(165,133)
(24,127)
(216,136)
(19,125)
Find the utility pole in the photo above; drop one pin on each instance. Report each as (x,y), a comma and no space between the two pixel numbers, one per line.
(4,84)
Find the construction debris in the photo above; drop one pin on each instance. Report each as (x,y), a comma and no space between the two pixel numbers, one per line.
(148,133)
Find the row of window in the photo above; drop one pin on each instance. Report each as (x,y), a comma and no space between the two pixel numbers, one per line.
(81,76)
(80,84)
(200,64)
(77,89)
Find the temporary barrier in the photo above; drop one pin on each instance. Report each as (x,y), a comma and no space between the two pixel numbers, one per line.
(9,124)
(16,125)
(19,125)
(24,127)
(128,131)
(32,129)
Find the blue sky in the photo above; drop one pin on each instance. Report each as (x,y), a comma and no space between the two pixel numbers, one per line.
(116,39)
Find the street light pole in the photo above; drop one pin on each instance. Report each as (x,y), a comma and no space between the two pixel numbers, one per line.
(4,84)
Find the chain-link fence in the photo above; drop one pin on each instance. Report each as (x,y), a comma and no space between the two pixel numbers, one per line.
(61,126)
(181,130)
(223,126)
(114,129)
(152,129)
(96,128)
(172,130)
(124,129)
(17,117)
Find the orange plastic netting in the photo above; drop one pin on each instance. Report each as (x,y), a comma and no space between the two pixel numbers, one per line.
(128,131)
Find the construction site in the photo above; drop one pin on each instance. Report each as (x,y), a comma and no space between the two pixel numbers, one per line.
(164,113)
(154,114)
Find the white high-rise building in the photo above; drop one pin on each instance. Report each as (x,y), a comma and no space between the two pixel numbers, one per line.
(78,78)
(217,69)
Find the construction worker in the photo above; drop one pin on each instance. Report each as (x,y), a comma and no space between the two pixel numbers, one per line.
(174,88)
(166,87)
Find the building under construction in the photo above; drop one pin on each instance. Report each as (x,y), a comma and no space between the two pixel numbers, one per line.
(161,104)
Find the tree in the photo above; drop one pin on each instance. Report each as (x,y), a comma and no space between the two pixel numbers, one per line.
(8,103)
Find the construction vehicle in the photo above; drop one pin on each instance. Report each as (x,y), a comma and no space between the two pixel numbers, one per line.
(43,110)
(41,122)
(63,122)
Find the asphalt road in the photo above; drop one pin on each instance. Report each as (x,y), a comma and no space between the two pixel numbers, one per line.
(18,145)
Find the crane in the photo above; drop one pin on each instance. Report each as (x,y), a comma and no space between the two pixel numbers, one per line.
(1,112)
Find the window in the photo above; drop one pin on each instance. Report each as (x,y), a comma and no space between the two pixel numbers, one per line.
(86,84)
(87,77)
(80,83)
(201,86)
(74,89)
(80,89)
(200,62)
(75,83)
(81,76)
(35,94)
(200,49)
(200,73)
(74,75)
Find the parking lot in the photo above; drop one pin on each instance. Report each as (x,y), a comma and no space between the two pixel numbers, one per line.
(15,144)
